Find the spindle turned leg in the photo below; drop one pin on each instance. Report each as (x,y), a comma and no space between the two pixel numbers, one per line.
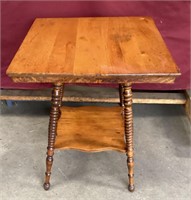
(128,122)
(54,116)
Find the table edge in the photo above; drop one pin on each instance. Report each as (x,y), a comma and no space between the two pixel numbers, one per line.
(111,78)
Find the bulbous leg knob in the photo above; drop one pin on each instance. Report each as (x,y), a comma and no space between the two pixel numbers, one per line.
(131,188)
(46,186)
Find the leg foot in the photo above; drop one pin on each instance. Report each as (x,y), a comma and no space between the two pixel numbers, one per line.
(46,186)
(131,188)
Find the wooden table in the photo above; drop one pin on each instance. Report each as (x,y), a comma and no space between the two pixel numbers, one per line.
(121,50)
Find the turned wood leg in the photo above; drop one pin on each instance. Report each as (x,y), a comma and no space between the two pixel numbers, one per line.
(54,115)
(128,120)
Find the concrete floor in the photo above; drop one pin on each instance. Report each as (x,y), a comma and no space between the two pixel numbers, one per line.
(162,158)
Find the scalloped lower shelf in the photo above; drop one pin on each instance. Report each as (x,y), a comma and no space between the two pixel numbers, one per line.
(90,129)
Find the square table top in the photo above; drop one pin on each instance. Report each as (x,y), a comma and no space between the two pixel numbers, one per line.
(93,50)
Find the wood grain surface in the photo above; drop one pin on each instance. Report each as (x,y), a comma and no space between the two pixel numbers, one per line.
(102,49)
(90,129)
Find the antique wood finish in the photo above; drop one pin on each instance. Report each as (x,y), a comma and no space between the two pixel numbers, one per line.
(129,49)
(54,115)
(128,120)
(162,78)
(120,50)
(90,129)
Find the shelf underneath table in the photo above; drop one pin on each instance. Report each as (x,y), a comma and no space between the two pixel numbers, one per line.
(90,128)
